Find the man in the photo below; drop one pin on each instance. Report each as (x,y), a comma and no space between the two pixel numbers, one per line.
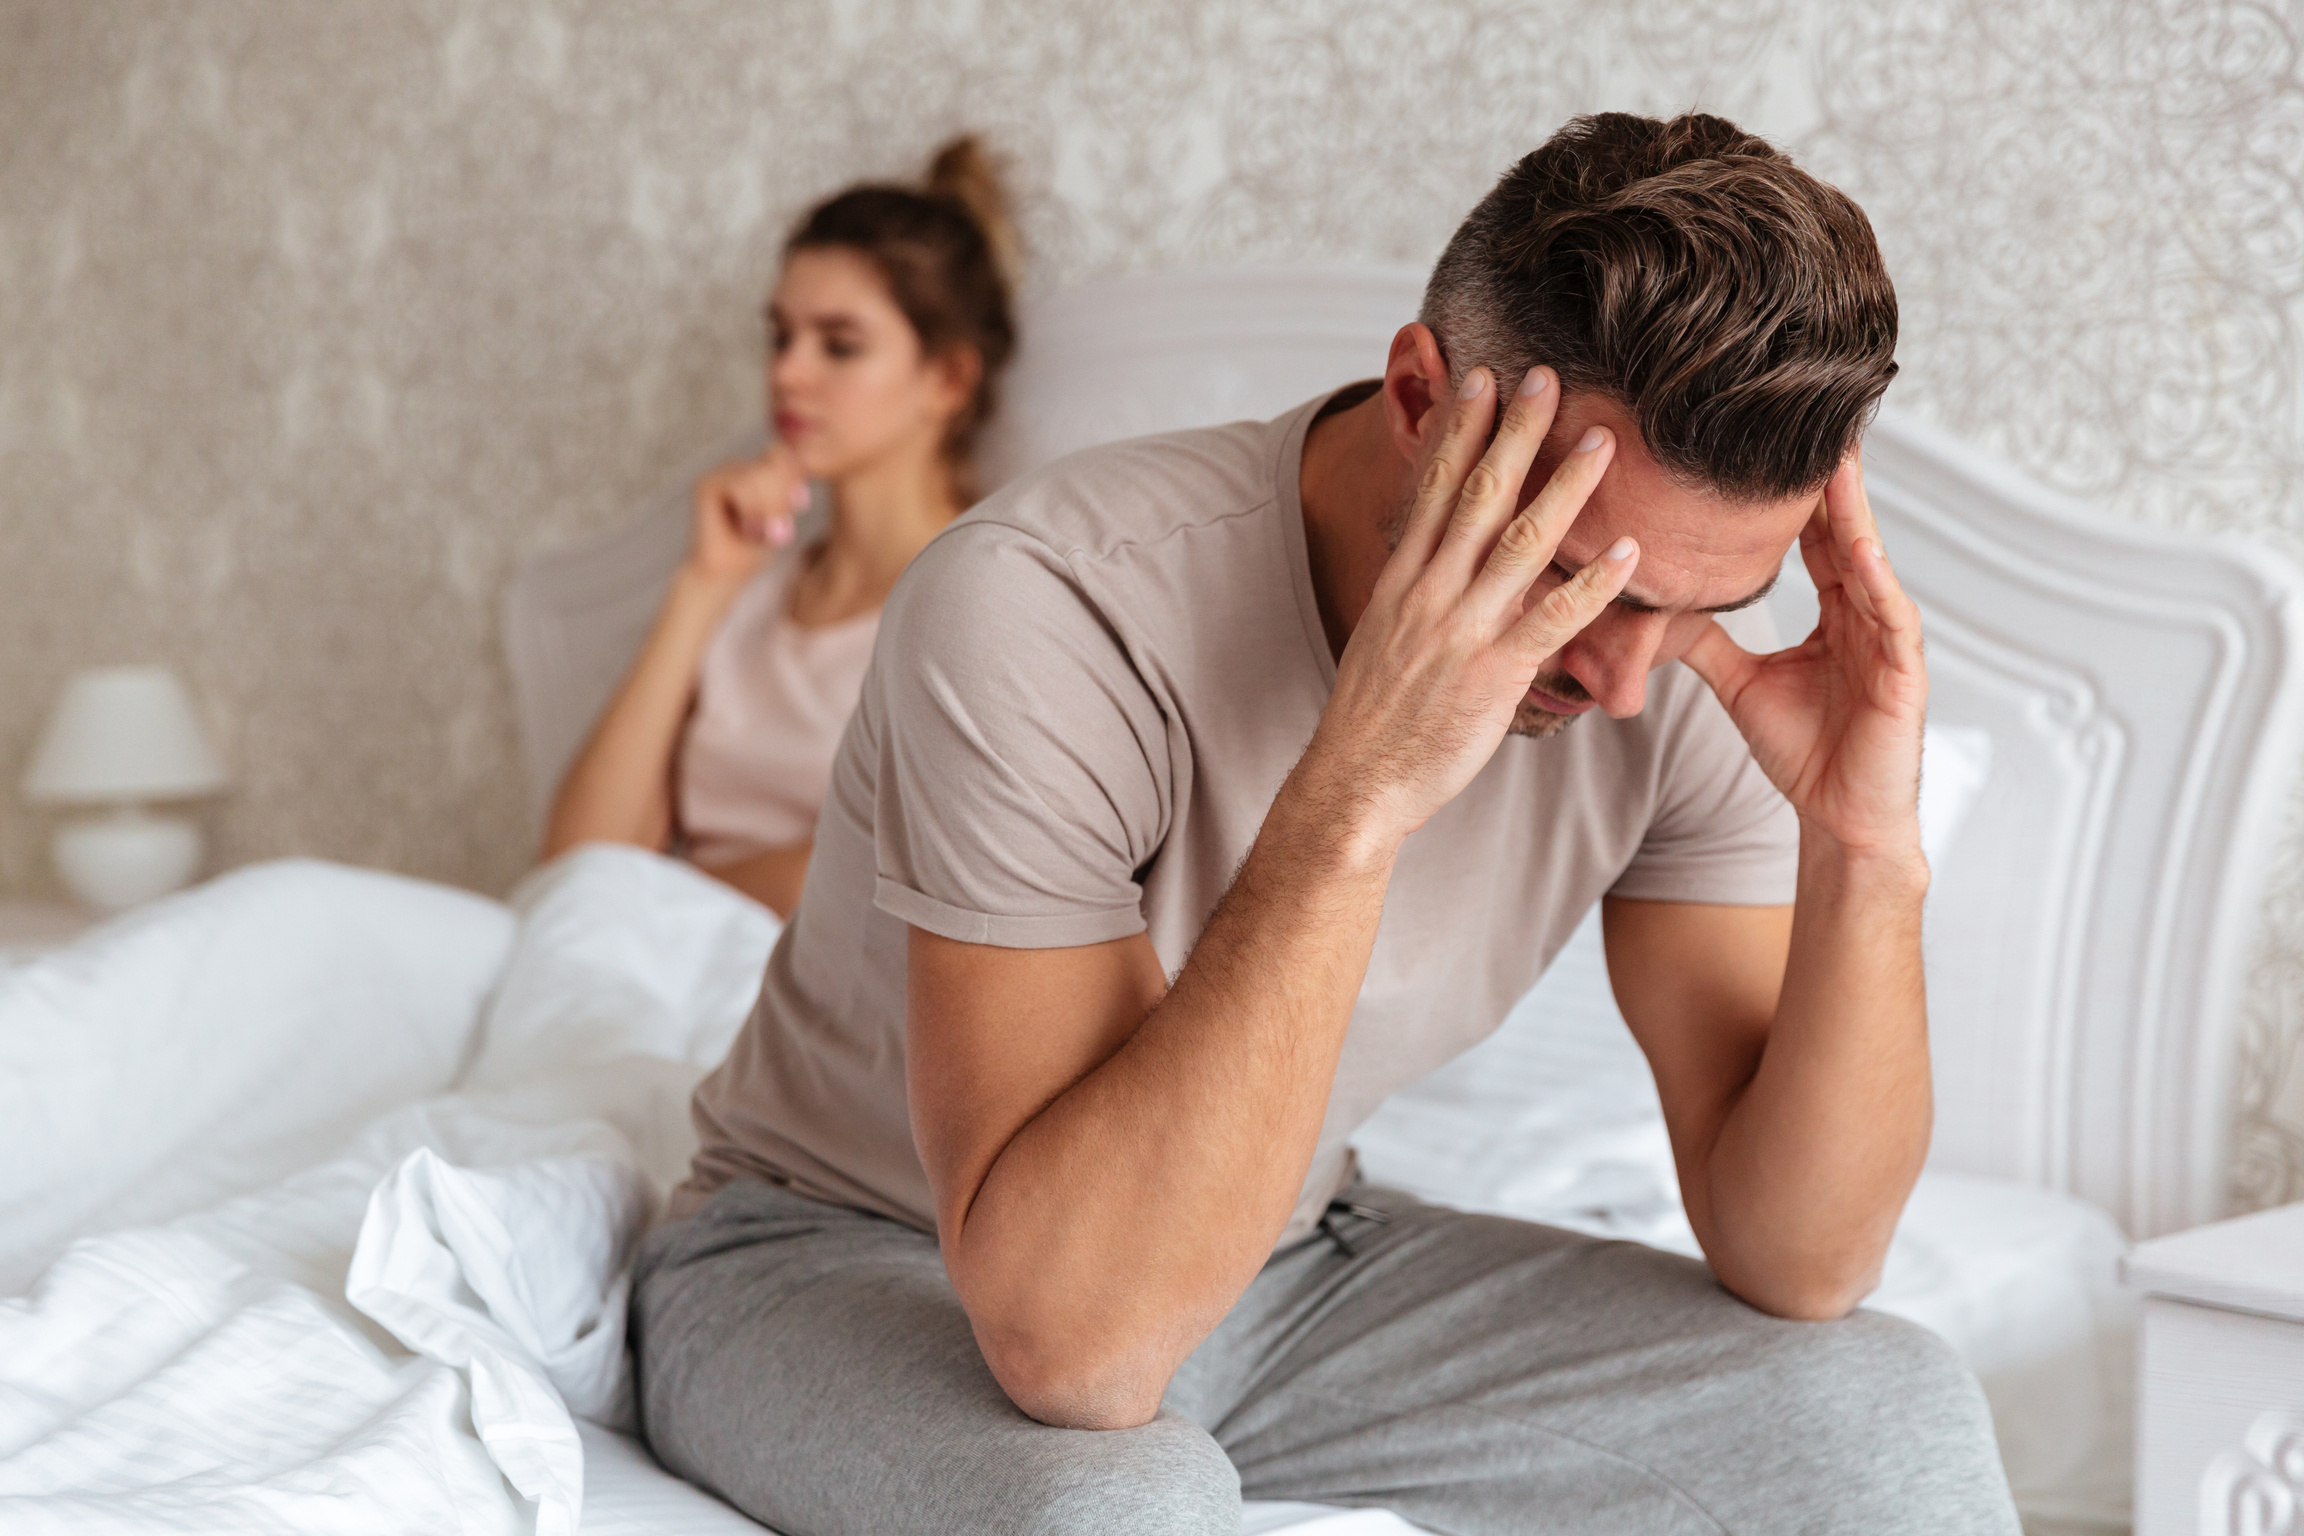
(1207,788)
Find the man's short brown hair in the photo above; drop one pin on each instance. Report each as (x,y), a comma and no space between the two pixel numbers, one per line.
(1733,304)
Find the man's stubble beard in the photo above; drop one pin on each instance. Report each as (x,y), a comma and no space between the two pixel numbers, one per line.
(1527,719)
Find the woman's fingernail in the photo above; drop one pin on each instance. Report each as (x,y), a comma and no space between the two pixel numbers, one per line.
(800,496)
(1532,382)
(1474,382)
(1593,437)
(1621,549)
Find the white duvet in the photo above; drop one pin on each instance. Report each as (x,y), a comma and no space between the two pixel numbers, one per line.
(399,1336)
(319,1185)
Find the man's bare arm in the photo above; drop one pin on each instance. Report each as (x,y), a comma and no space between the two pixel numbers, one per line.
(1790,1052)
(1112,1163)
(1796,1163)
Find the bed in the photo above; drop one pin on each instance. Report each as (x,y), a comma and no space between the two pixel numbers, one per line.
(316,1185)
(2114,714)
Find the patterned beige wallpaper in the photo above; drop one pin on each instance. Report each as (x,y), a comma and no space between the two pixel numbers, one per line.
(314,318)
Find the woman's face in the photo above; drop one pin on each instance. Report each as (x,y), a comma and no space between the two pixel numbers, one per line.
(847,383)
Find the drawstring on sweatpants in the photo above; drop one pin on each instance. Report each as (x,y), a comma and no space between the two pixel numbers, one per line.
(1328,1228)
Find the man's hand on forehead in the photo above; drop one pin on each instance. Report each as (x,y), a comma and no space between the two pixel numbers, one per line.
(1836,720)
(1442,659)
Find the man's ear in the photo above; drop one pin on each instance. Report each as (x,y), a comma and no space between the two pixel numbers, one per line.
(1416,389)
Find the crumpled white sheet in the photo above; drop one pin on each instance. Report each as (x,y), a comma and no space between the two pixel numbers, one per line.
(217,1373)
(515,1277)
(395,1339)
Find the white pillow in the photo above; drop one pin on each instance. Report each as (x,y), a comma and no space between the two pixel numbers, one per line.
(221,1039)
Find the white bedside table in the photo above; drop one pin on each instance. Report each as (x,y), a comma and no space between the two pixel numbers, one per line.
(29,929)
(2220,1413)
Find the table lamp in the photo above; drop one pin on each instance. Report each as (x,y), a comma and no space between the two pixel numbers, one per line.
(124,738)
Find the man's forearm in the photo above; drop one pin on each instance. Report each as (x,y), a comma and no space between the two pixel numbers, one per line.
(1121,1222)
(1804,1184)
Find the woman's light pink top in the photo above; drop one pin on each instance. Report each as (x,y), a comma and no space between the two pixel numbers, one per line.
(771,703)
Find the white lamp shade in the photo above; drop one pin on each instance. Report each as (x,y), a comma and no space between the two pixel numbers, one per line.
(123,734)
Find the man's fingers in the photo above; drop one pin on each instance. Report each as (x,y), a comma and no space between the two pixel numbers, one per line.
(1451,460)
(1848,515)
(1897,615)
(1846,501)
(1491,489)
(1532,537)
(1816,550)
(1724,665)
(1554,619)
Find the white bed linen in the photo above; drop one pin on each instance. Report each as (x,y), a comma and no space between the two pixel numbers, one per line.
(221,1039)
(393,1339)
(389,1340)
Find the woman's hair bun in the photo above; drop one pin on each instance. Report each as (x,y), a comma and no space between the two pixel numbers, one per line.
(964,171)
(949,257)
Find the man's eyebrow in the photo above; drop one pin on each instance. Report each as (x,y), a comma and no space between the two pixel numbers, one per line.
(1627,600)
(1749,599)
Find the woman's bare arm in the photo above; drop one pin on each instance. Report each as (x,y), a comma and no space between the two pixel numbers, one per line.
(619,789)
(771,877)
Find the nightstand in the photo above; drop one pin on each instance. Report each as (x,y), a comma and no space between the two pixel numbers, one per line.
(29,929)
(2220,1412)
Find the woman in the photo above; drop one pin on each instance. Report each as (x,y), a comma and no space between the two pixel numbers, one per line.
(888,327)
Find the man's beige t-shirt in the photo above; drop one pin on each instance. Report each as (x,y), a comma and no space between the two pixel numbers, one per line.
(1084,696)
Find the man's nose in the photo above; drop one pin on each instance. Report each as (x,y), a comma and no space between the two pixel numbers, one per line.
(1612,659)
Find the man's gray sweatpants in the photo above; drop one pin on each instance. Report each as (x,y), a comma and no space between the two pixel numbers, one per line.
(812,1366)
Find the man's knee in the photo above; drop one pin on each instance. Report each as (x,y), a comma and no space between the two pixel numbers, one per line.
(1872,1358)
(1883,1417)
(1168,1478)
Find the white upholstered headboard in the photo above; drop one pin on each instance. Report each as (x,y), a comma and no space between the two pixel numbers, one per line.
(2088,925)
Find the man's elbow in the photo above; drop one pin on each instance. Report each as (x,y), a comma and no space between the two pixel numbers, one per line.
(1809,1293)
(1068,1383)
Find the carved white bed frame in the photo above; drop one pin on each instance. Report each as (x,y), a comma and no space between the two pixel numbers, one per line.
(2141,691)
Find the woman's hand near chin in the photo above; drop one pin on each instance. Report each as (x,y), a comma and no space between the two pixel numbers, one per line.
(619,789)
(743,511)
